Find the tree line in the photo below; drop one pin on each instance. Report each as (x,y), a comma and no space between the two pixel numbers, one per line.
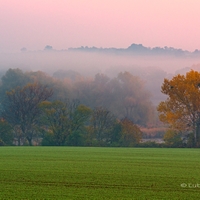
(69,109)
(72,110)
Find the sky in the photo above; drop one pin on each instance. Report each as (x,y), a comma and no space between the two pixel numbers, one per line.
(33,24)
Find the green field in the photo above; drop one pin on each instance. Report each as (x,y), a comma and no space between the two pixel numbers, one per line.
(99,173)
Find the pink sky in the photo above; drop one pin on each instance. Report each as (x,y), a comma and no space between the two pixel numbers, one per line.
(102,23)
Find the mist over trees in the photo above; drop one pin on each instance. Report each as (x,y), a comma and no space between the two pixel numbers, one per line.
(68,108)
(152,65)
(124,96)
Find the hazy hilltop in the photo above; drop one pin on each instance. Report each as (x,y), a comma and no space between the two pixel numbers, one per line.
(139,49)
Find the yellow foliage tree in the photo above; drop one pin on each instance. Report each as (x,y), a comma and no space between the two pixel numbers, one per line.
(181,110)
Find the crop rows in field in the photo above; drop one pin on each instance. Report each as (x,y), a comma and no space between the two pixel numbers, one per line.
(99,173)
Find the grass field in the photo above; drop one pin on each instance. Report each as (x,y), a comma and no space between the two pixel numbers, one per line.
(99,173)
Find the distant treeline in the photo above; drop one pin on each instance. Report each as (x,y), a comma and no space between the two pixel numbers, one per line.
(137,49)
(69,109)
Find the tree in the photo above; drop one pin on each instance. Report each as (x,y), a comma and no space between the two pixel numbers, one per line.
(60,89)
(172,138)
(13,78)
(181,110)
(84,90)
(6,135)
(55,117)
(65,121)
(17,78)
(79,118)
(134,100)
(21,109)
(48,48)
(116,134)
(131,133)
(101,125)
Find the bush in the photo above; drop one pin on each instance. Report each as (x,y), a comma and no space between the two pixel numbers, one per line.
(150,144)
(48,140)
(172,138)
(2,143)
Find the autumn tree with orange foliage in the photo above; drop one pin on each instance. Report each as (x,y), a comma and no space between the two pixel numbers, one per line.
(131,133)
(181,110)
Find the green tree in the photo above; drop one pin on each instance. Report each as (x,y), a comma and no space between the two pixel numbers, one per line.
(116,134)
(101,125)
(55,117)
(79,119)
(6,134)
(21,109)
(65,121)
(181,110)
